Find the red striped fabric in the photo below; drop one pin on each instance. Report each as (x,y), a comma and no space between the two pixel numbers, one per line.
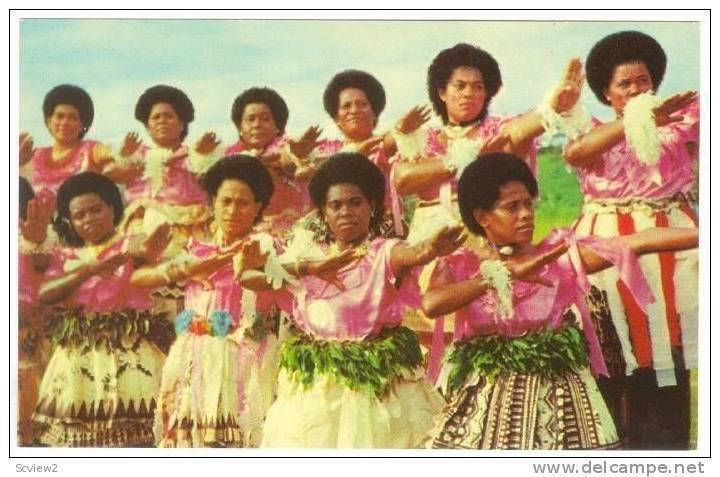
(690,213)
(637,319)
(667,276)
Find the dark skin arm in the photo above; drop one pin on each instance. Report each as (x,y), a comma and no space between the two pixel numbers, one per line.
(446,296)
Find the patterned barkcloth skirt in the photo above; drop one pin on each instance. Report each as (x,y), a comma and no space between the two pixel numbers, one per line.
(526,411)
(101,382)
(215,391)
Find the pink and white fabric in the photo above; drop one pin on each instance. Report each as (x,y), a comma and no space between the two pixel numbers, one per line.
(179,186)
(373,299)
(538,307)
(46,174)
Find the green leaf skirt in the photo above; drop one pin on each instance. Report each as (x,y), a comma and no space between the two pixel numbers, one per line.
(370,365)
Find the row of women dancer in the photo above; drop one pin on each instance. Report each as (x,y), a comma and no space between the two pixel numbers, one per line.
(254,294)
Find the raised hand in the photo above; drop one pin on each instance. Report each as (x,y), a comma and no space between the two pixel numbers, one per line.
(567,93)
(27,148)
(251,257)
(207,143)
(157,242)
(664,112)
(413,119)
(328,268)
(131,143)
(307,142)
(273,162)
(447,240)
(108,265)
(526,267)
(137,214)
(39,212)
(368,146)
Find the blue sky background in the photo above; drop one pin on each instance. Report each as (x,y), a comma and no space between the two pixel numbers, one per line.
(214,60)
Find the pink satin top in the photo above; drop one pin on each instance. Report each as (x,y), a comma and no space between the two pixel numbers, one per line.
(288,194)
(108,292)
(220,291)
(180,185)
(539,307)
(373,298)
(620,175)
(487,130)
(48,175)
(378,157)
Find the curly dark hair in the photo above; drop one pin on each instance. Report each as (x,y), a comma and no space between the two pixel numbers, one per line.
(25,194)
(448,60)
(354,79)
(81,184)
(350,168)
(479,185)
(165,94)
(74,96)
(621,48)
(266,96)
(244,168)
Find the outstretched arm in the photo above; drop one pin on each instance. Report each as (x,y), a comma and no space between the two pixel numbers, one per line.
(652,240)
(445,295)
(403,256)
(588,148)
(59,288)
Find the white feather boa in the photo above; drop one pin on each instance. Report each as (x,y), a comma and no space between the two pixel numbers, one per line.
(641,131)
(570,124)
(411,146)
(497,276)
(461,152)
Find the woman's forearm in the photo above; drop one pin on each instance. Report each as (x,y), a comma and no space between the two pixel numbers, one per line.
(586,149)
(413,178)
(452,296)
(522,130)
(149,277)
(62,287)
(654,240)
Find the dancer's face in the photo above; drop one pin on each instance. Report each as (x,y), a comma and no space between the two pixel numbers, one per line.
(235,208)
(511,221)
(347,212)
(464,95)
(628,80)
(164,125)
(64,124)
(91,218)
(257,126)
(355,116)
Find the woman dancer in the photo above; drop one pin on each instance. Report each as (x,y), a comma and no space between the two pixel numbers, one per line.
(517,375)
(167,188)
(637,172)
(220,375)
(260,116)
(100,385)
(351,376)
(33,345)
(462,82)
(355,99)
(68,113)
